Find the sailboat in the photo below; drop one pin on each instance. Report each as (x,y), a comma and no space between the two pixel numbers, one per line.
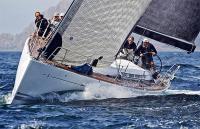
(90,30)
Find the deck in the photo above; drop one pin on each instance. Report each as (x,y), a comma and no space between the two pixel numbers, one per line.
(36,44)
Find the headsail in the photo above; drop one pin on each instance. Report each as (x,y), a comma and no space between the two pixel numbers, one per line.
(174,22)
(94,28)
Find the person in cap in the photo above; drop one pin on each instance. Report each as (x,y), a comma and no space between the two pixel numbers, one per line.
(146,51)
(41,23)
(129,48)
(55,20)
(61,16)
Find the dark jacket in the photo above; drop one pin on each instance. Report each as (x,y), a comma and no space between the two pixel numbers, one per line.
(143,50)
(130,46)
(41,25)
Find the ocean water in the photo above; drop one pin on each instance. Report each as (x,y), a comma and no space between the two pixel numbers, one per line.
(102,108)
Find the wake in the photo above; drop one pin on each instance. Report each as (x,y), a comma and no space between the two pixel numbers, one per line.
(98,92)
(178,92)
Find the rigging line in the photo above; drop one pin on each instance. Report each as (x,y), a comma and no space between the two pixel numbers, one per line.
(119,66)
(141,36)
(161,64)
(118,69)
(86,58)
(127,67)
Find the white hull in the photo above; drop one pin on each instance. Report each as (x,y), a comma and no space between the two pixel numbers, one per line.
(35,78)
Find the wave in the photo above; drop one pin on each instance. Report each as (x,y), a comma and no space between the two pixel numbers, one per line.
(186,79)
(92,92)
(183,65)
(179,92)
(112,94)
(31,125)
(5,99)
(97,92)
(194,77)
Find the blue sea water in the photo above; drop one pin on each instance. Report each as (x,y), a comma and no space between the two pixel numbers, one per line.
(179,108)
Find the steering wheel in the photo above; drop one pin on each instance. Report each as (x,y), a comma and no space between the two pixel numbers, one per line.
(156,58)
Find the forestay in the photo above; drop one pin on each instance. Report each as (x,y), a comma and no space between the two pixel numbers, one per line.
(174,22)
(94,28)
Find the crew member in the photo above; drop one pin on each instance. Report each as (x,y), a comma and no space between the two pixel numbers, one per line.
(61,16)
(41,24)
(146,51)
(55,20)
(129,48)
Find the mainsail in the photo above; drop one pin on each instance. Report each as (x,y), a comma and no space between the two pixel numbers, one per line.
(174,22)
(94,28)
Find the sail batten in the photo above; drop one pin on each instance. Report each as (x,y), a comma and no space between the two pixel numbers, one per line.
(97,28)
(174,18)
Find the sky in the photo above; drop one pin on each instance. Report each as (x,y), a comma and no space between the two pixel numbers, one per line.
(15,15)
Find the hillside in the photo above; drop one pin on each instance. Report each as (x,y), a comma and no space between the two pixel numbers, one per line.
(9,42)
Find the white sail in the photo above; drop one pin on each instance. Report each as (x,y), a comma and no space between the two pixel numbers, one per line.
(94,28)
